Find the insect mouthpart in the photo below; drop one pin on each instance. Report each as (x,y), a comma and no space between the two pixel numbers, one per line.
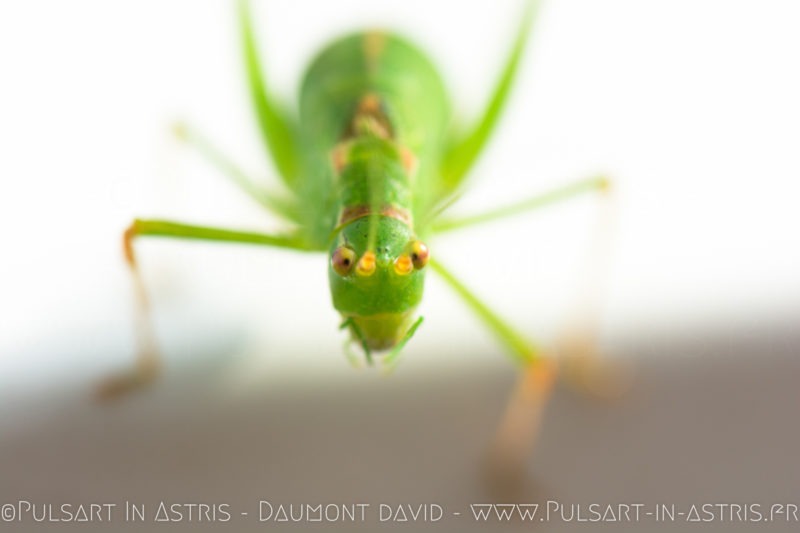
(381,331)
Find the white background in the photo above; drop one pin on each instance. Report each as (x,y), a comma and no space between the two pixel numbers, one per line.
(690,106)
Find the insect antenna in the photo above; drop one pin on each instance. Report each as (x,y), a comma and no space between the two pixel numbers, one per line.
(376,183)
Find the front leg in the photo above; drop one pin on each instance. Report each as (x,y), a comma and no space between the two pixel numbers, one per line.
(148,364)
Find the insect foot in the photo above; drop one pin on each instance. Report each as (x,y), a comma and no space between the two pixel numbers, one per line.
(505,469)
(118,386)
(587,372)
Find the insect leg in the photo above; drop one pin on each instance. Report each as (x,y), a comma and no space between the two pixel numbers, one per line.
(147,363)
(465,150)
(520,423)
(548,198)
(278,131)
(517,346)
(178,230)
(390,360)
(353,327)
(275,204)
(583,366)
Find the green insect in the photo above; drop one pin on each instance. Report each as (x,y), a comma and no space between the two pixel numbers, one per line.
(371,162)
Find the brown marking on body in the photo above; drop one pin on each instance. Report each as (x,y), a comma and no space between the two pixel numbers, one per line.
(369,118)
(409,160)
(372,126)
(370,103)
(339,156)
(354,212)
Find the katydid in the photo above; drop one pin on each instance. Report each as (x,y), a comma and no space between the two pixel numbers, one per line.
(371,162)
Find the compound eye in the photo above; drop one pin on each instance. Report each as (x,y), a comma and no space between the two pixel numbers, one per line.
(419,254)
(343,260)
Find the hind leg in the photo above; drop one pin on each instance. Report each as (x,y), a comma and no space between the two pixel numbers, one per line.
(584,368)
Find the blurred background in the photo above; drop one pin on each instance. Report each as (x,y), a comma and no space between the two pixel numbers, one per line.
(690,107)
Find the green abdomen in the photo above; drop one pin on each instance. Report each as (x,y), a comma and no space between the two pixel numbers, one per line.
(379,63)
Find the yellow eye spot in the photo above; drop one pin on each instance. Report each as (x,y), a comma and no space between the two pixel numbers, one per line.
(419,254)
(343,260)
(403,265)
(366,265)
